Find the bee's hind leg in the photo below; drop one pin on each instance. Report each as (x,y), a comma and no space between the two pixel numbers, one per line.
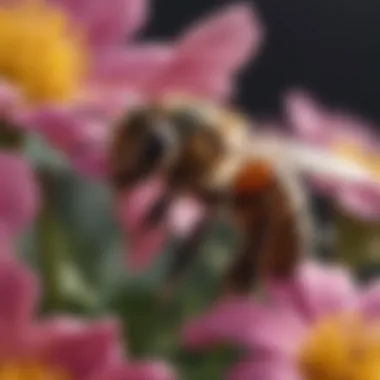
(186,253)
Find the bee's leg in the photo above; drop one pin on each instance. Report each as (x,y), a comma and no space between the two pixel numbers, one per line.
(159,210)
(242,275)
(287,236)
(186,253)
(189,248)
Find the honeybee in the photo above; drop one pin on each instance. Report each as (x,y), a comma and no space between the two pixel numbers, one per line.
(214,154)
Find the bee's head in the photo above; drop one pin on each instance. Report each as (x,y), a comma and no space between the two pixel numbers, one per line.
(180,142)
(139,147)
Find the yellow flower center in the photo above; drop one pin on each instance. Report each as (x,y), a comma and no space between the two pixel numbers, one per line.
(38,52)
(369,160)
(29,371)
(342,348)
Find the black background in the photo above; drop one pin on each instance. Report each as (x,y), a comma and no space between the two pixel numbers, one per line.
(330,47)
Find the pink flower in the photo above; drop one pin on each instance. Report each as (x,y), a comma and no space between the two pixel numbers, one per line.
(18,194)
(64,58)
(208,54)
(202,62)
(59,347)
(206,58)
(306,328)
(347,138)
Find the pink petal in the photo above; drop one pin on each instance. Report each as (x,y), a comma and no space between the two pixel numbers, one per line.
(324,185)
(185,214)
(246,323)
(88,154)
(108,103)
(19,192)
(132,67)
(59,126)
(81,138)
(84,351)
(149,370)
(132,206)
(321,289)
(370,301)
(306,118)
(210,52)
(90,161)
(224,40)
(345,127)
(272,369)
(186,78)
(18,296)
(361,200)
(6,250)
(144,247)
(143,244)
(59,325)
(10,97)
(107,22)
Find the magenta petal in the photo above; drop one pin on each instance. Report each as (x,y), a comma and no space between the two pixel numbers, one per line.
(90,161)
(149,370)
(6,250)
(257,369)
(84,351)
(19,193)
(248,324)
(144,247)
(18,295)
(60,126)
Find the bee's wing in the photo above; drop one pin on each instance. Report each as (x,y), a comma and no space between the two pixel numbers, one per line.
(311,160)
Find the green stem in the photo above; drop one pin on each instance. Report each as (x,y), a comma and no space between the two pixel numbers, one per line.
(353,240)
(11,137)
(63,282)
(50,240)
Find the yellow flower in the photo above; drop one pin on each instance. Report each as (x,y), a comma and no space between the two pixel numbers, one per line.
(40,53)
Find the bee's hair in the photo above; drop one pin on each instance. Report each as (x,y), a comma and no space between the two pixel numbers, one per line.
(278,237)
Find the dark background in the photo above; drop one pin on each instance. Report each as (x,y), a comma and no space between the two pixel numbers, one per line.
(331,47)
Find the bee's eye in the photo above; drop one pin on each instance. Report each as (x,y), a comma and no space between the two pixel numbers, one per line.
(154,148)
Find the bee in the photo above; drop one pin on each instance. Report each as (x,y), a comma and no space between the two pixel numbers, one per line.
(214,154)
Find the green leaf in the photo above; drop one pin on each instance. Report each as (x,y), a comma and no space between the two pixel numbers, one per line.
(357,242)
